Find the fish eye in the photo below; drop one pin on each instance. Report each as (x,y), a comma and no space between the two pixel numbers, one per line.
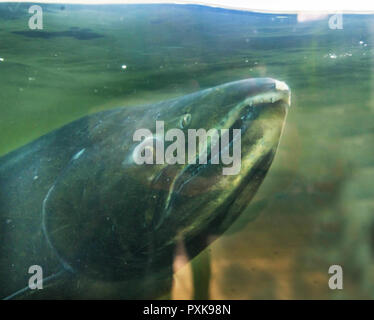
(185,121)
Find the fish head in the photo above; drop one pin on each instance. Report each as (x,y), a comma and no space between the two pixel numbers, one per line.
(110,217)
(207,197)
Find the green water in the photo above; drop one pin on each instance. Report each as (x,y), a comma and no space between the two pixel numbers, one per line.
(315,208)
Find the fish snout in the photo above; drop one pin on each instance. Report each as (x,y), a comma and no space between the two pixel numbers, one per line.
(268,91)
(283,92)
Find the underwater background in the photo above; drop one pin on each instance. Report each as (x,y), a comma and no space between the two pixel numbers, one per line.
(315,208)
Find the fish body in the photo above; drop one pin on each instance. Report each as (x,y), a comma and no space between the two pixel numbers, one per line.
(75,202)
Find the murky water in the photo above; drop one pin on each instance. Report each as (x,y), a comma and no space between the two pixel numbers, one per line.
(315,208)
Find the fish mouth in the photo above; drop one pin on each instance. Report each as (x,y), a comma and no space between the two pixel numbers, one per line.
(280,92)
(279,96)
